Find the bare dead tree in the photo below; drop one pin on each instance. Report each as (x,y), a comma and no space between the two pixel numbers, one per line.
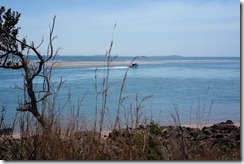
(15,54)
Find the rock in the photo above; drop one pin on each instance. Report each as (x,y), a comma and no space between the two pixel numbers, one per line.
(229,122)
(237,136)
(164,131)
(218,135)
(203,136)
(194,133)
(6,131)
(188,128)
(114,134)
(214,130)
(207,131)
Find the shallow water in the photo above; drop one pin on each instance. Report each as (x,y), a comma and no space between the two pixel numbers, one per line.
(198,87)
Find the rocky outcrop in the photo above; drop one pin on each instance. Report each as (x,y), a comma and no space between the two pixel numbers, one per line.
(224,137)
(221,131)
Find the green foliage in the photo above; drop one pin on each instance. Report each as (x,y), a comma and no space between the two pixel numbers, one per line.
(8,29)
(153,142)
(154,128)
(148,145)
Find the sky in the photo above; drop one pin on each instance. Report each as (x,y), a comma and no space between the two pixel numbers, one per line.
(143,27)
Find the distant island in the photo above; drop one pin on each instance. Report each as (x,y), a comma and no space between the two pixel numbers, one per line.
(176,56)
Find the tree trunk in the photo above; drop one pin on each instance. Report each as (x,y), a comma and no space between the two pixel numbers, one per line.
(34,109)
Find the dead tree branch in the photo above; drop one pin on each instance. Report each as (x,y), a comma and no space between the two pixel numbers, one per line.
(14,55)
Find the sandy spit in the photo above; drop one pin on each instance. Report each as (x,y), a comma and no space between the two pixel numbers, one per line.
(101,63)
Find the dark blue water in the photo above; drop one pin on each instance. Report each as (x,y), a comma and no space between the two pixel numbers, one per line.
(209,86)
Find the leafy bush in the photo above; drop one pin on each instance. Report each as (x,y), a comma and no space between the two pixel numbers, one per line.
(148,144)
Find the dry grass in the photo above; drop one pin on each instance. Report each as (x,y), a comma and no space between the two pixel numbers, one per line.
(143,143)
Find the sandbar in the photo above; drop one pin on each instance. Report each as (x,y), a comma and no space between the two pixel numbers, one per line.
(101,63)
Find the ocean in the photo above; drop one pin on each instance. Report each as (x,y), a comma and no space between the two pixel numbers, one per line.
(201,89)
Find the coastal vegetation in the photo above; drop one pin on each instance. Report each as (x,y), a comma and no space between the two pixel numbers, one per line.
(45,133)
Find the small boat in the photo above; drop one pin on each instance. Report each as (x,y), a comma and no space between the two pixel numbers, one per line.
(134,65)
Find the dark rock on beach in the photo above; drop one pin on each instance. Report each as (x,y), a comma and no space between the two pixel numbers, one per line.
(221,136)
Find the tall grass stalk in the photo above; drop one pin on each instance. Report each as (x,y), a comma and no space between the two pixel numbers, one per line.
(96,104)
(105,84)
(139,107)
(121,99)
(183,145)
(202,115)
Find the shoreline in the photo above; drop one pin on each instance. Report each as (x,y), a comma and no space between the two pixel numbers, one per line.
(16,135)
(208,125)
(128,62)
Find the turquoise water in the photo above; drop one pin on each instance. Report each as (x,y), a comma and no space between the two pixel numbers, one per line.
(189,84)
